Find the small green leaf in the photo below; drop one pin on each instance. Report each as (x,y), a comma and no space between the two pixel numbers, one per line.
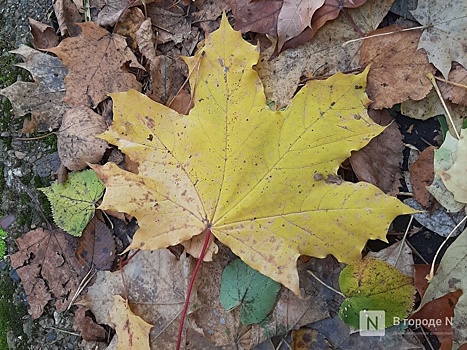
(256,293)
(73,202)
(372,284)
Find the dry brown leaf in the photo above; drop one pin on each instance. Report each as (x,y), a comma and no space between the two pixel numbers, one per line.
(76,142)
(454,93)
(182,103)
(112,10)
(422,175)
(89,330)
(294,17)
(47,268)
(96,60)
(306,338)
(380,161)
(195,245)
(167,74)
(43,98)
(67,16)
(209,10)
(169,25)
(398,70)
(132,331)
(95,248)
(400,259)
(322,56)
(439,309)
(155,283)
(431,106)
(128,25)
(43,35)
(258,16)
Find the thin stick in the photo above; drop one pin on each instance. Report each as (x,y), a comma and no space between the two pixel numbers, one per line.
(84,282)
(382,34)
(435,85)
(451,83)
(190,287)
(403,239)
(324,284)
(35,138)
(429,277)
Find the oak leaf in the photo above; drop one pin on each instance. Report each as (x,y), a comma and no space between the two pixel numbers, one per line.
(105,56)
(263,182)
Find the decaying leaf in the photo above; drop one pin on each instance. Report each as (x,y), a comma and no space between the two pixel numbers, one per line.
(438,221)
(322,56)
(329,11)
(258,16)
(398,70)
(454,179)
(174,25)
(105,56)
(379,162)
(294,17)
(431,106)
(445,37)
(96,246)
(450,277)
(73,202)
(441,310)
(155,285)
(43,98)
(456,94)
(422,175)
(132,330)
(47,268)
(67,16)
(401,259)
(43,35)
(372,284)
(246,288)
(76,143)
(258,179)
(443,160)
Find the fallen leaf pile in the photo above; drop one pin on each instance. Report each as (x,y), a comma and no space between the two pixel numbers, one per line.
(268,156)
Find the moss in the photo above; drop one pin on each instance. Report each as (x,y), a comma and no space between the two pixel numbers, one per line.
(51,141)
(25,215)
(10,314)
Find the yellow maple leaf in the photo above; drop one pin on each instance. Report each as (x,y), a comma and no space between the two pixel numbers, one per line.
(132,331)
(264,182)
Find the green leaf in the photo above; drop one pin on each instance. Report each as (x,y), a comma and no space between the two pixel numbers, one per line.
(372,284)
(73,202)
(256,293)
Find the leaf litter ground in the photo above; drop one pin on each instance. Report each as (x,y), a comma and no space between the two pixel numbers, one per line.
(195,78)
